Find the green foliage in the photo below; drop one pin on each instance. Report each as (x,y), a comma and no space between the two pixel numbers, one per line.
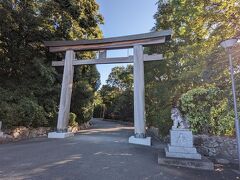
(99,111)
(99,107)
(72,119)
(117,95)
(83,104)
(121,77)
(222,119)
(192,58)
(17,110)
(29,86)
(86,83)
(159,95)
(207,111)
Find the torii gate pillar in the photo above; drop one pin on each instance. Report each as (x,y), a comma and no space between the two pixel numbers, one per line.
(65,99)
(139,99)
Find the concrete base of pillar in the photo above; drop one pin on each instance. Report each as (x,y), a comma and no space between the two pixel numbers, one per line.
(141,141)
(60,135)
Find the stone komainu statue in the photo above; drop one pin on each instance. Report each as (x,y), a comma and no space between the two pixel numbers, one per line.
(178,121)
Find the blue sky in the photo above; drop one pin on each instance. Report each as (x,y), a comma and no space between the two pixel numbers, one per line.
(124,17)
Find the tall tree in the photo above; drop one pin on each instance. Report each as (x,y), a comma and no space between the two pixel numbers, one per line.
(117,94)
(29,86)
(198,28)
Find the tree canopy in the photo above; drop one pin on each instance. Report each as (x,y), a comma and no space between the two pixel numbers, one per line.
(29,86)
(194,75)
(193,58)
(117,94)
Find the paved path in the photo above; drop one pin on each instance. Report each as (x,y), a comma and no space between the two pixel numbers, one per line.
(100,153)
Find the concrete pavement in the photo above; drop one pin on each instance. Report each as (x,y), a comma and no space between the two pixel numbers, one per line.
(99,153)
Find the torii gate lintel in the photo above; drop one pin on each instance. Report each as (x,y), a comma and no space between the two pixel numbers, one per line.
(133,41)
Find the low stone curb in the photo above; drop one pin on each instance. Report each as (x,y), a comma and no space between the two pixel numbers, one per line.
(22,133)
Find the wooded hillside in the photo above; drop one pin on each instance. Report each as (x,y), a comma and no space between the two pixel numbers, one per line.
(29,86)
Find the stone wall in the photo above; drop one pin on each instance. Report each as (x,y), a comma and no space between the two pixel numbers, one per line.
(22,132)
(153,132)
(216,146)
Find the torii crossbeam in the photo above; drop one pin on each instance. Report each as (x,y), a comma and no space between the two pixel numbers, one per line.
(137,42)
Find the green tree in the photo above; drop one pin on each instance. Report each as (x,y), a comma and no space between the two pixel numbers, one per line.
(207,110)
(121,77)
(198,28)
(29,86)
(117,94)
(86,83)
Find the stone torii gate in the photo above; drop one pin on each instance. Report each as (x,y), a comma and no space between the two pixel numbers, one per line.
(137,42)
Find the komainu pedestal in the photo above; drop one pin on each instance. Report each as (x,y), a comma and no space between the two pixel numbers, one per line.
(180,151)
(181,138)
(181,145)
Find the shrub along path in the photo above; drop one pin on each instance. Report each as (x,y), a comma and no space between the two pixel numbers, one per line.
(101,153)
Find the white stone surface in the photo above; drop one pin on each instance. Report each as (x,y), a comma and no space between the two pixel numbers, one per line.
(180,149)
(139,97)
(203,163)
(182,155)
(60,135)
(181,137)
(181,145)
(1,134)
(141,141)
(66,91)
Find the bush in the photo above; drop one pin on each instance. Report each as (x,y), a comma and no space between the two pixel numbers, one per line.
(25,112)
(160,118)
(19,107)
(207,111)
(82,101)
(123,108)
(72,119)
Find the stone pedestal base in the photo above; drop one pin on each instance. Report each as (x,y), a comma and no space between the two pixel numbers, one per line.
(141,141)
(60,135)
(204,163)
(181,145)
(178,152)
